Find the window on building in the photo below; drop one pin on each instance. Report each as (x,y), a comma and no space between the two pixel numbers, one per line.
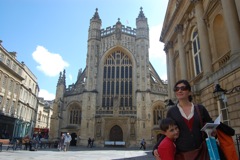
(12,109)
(196,52)
(1,57)
(224,111)
(4,81)
(39,116)
(11,86)
(158,114)
(75,115)
(7,104)
(16,88)
(117,81)
(1,98)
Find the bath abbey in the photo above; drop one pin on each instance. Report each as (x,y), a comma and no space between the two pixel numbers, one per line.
(118,98)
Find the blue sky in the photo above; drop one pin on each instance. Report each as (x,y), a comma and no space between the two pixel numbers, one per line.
(51,35)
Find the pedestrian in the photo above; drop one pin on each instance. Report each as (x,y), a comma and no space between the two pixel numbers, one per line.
(67,141)
(61,142)
(167,148)
(143,144)
(189,118)
(92,141)
(89,142)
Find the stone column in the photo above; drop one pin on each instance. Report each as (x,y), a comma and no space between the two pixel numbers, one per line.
(203,38)
(232,24)
(171,73)
(168,71)
(182,55)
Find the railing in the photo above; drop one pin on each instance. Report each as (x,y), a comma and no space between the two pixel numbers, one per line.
(110,30)
(238,143)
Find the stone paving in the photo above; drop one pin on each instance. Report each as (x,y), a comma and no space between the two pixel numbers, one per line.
(78,153)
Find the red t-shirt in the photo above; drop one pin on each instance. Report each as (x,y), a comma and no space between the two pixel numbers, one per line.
(167,149)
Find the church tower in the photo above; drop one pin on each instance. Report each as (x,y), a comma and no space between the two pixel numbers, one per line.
(58,106)
(143,75)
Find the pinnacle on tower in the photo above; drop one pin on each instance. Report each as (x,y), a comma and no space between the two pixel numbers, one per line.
(141,14)
(96,16)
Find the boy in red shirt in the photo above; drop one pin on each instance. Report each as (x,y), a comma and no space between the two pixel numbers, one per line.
(167,148)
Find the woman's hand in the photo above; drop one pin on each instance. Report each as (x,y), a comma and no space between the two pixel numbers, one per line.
(214,133)
(156,155)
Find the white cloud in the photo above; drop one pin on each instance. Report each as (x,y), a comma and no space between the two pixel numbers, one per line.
(46,95)
(49,63)
(156,54)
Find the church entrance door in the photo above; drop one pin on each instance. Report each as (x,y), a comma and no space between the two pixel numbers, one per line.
(116,133)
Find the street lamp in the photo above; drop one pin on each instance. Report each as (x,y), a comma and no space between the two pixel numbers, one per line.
(169,103)
(222,100)
(220,93)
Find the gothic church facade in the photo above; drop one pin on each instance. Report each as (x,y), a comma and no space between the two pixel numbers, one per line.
(118,96)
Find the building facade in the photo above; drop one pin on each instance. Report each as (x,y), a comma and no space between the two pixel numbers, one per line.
(43,119)
(118,96)
(202,44)
(18,96)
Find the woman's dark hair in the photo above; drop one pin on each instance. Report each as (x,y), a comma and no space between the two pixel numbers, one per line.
(185,82)
(165,123)
(188,86)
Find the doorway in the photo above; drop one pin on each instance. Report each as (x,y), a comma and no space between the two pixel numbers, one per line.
(116,133)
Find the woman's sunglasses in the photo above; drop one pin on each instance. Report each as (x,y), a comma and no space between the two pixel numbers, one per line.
(182,88)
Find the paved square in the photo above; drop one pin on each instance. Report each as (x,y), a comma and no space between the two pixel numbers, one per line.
(78,153)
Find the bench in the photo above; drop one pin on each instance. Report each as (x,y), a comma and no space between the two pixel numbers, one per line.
(8,143)
(114,143)
(119,143)
(4,141)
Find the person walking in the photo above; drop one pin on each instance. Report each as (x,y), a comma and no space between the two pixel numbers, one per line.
(143,144)
(89,142)
(61,143)
(92,141)
(67,141)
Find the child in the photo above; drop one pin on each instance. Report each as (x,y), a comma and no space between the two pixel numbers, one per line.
(167,148)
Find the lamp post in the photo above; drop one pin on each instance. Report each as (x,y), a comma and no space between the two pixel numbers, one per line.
(220,94)
(218,91)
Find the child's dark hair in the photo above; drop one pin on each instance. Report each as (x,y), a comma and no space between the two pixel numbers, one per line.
(165,123)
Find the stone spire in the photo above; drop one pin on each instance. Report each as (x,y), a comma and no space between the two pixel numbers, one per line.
(96,16)
(62,78)
(142,26)
(141,14)
(118,29)
(94,31)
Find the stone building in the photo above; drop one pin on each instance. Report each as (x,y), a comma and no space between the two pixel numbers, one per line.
(202,44)
(118,96)
(18,96)
(43,119)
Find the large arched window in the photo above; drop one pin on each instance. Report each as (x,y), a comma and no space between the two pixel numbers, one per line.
(196,52)
(75,114)
(117,81)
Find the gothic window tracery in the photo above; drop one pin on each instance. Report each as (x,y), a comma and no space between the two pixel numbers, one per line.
(117,80)
(158,114)
(75,114)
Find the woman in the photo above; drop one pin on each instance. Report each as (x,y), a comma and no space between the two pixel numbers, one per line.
(190,118)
